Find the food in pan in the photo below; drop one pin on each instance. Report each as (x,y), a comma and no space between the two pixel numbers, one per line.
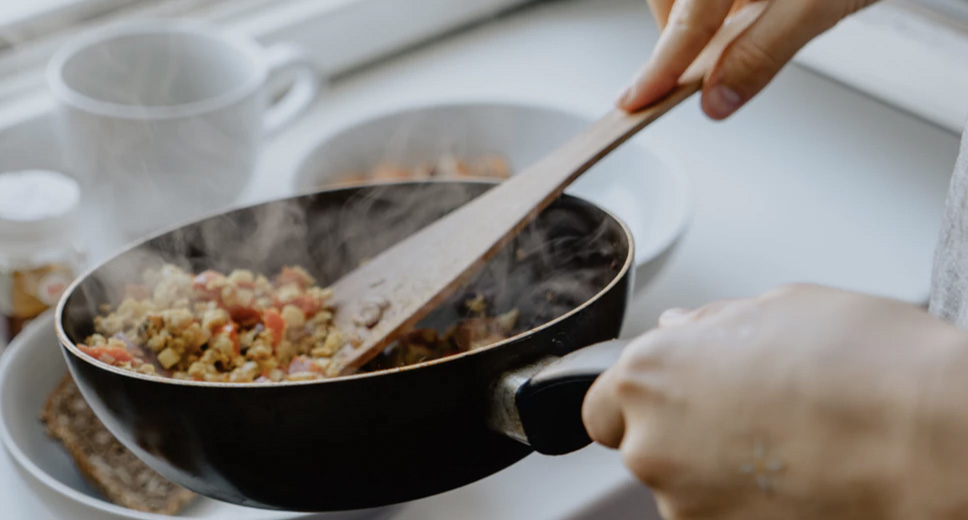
(244,327)
(447,167)
(214,327)
(105,462)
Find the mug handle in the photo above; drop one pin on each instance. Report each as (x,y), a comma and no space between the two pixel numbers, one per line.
(282,58)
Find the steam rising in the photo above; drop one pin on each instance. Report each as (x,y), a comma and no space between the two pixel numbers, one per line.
(159,127)
(554,265)
(161,170)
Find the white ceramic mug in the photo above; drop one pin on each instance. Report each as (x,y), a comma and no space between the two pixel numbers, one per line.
(162,121)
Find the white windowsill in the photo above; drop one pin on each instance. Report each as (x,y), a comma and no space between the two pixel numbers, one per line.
(902,54)
(891,51)
(20,19)
(339,35)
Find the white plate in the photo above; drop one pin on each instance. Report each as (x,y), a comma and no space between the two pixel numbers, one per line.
(632,183)
(30,368)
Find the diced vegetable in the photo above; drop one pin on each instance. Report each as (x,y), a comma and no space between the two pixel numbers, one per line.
(306,303)
(275,324)
(296,275)
(245,316)
(108,354)
(305,364)
(168,358)
(205,288)
(136,291)
(232,331)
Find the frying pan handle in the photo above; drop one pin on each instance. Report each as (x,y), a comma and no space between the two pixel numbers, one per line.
(547,398)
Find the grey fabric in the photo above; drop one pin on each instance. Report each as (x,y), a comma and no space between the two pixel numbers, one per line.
(949,280)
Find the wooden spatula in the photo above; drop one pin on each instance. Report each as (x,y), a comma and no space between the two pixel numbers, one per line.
(393,291)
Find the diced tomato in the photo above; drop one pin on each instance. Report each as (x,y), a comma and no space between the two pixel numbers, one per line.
(289,275)
(274,322)
(304,364)
(245,316)
(307,304)
(210,295)
(110,355)
(204,277)
(232,331)
(201,285)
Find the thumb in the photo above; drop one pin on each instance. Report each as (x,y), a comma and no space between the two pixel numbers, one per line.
(751,61)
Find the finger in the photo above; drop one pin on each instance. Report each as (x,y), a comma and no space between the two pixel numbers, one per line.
(738,5)
(665,505)
(784,291)
(674,317)
(602,413)
(751,61)
(711,310)
(691,24)
(644,453)
(660,11)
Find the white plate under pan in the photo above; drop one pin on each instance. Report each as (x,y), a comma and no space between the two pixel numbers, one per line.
(30,368)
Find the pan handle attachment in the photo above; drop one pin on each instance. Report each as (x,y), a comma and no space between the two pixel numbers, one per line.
(540,404)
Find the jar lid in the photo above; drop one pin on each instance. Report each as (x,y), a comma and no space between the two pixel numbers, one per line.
(37,206)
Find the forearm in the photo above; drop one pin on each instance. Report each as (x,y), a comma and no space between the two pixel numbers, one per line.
(933,483)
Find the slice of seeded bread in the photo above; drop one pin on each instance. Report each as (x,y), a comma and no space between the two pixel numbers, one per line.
(105,462)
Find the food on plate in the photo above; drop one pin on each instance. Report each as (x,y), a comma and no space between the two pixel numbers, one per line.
(105,462)
(244,327)
(447,167)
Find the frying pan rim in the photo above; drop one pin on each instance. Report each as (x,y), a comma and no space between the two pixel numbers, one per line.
(72,348)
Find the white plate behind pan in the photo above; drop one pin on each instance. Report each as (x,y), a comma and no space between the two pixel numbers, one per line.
(653,199)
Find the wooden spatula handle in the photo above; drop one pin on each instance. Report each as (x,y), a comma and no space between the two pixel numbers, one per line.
(553,173)
(511,206)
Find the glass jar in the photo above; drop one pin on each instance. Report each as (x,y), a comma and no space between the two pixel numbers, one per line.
(38,254)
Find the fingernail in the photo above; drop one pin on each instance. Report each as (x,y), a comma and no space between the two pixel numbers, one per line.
(723,101)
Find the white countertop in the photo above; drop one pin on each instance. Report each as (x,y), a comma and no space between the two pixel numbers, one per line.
(812,182)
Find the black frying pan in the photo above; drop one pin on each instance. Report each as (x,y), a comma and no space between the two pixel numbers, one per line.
(381,437)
